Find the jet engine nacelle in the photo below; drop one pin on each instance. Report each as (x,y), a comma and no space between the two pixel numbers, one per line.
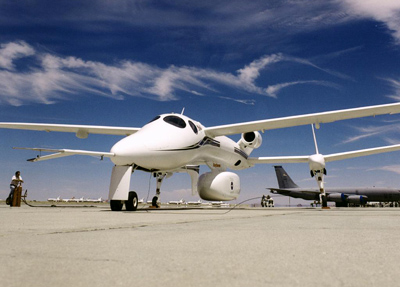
(337,197)
(362,199)
(250,141)
(219,186)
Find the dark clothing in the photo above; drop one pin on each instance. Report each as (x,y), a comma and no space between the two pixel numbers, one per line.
(11,195)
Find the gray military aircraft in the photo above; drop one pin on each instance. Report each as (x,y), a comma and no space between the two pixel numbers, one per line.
(342,196)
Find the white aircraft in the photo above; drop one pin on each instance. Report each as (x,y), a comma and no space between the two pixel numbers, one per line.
(93,200)
(199,202)
(175,143)
(176,202)
(79,199)
(58,199)
(219,204)
(73,199)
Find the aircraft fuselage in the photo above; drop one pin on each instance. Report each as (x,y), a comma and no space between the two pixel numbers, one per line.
(172,141)
(382,194)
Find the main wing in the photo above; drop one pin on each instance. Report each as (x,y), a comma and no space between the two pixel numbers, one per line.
(82,131)
(316,118)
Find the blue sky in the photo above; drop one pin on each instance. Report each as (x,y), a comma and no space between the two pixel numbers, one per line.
(120,63)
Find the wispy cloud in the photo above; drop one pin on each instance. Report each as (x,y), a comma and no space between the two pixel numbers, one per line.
(52,78)
(224,16)
(395,85)
(391,132)
(309,63)
(391,168)
(386,11)
(252,71)
(11,51)
(273,90)
(225,21)
(242,101)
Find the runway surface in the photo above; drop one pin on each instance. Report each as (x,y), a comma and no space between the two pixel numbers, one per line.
(92,246)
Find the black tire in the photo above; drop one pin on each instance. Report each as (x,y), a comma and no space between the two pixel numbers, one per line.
(154,201)
(324,202)
(132,203)
(116,205)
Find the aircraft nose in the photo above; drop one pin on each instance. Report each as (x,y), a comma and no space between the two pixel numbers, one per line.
(118,149)
(126,150)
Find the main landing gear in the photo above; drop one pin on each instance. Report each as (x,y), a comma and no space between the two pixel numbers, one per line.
(131,204)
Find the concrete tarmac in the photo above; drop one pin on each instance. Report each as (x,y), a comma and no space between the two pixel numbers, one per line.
(93,246)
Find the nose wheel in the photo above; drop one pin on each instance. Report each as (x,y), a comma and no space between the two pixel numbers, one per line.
(154,202)
(160,177)
(319,176)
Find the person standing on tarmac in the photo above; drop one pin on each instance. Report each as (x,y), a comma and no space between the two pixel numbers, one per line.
(15,181)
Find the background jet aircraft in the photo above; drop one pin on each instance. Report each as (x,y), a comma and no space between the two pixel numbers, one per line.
(98,200)
(176,202)
(199,202)
(54,199)
(342,196)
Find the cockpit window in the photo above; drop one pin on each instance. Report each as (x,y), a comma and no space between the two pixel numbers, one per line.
(175,121)
(156,118)
(193,126)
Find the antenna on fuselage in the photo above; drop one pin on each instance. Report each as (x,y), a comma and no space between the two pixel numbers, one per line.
(182,111)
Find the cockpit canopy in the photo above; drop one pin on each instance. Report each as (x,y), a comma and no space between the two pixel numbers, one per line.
(175,121)
(178,122)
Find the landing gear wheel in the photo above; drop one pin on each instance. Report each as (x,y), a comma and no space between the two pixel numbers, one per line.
(324,201)
(154,202)
(116,205)
(132,203)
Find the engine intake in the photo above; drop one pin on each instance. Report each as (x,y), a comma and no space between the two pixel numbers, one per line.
(250,141)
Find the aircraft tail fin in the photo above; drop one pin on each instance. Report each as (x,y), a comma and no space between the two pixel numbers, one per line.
(284,180)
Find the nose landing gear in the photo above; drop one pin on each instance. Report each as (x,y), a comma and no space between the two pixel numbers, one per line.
(160,177)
